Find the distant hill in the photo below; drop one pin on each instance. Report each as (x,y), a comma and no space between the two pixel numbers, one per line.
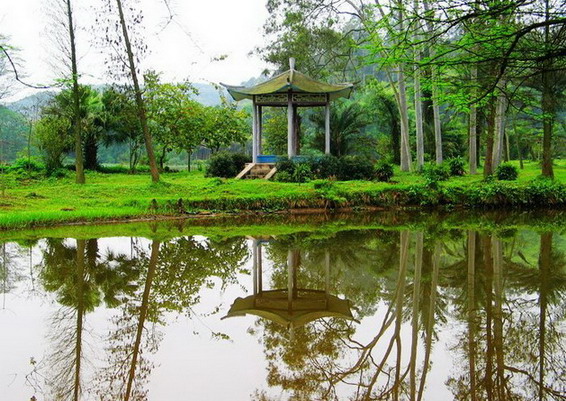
(208,96)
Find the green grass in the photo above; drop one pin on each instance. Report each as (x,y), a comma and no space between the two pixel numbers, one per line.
(121,196)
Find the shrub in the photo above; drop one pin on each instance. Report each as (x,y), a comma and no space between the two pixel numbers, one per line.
(433,173)
(456,166)
(355,168)
(506,172)
(384,171)
(326,166)
(23,164)
(323,185)
(221,164)
(240,160)
(283,176)
(302,173)
(285,165)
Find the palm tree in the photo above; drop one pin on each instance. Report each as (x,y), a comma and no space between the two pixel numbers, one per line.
(347,123)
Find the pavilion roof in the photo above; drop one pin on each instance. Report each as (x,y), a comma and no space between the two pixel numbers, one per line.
(274,305)
(291,81)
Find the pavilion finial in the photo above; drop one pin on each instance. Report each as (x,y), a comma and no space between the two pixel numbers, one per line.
(291,68)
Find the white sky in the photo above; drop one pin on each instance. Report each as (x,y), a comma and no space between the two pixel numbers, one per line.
(204,29)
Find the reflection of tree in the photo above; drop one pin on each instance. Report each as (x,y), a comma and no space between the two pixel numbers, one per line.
(317,362)
(513,344)
(81,281)
(172,276)
(8,274)
(503,358)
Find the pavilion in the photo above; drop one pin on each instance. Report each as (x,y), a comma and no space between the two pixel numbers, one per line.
(293,306)
(290,89)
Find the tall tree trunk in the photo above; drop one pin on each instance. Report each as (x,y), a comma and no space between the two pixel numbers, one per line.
(488,165)
(189,160)
(418,99)
(138,95)
(500,110)
(79,168)
(80,317)
(545,261)
(404,116)
(142,318)
(472,313)
(435,105)
(415,315)
(472,144)
(547,103)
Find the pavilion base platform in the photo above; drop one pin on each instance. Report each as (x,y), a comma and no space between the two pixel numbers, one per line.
(258,170)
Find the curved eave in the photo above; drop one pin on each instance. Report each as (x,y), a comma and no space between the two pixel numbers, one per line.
(339,308)
(291,81)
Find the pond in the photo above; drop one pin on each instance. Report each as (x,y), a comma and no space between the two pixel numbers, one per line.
(404,307)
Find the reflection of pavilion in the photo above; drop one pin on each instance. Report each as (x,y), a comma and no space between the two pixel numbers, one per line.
(291,306)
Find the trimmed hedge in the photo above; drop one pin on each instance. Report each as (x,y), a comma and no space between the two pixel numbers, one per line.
(325,167)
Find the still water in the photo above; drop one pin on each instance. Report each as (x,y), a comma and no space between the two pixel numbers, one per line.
(403,312)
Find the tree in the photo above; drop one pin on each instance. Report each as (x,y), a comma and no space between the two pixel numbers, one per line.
(224,126)
(121,122)
(65,39)
(177,122)
(347,122)
(130,65)
(52,135)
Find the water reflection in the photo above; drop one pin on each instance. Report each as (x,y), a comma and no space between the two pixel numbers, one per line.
(293,306)
(353,314)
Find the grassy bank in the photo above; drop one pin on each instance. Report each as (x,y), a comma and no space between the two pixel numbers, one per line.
(120,196)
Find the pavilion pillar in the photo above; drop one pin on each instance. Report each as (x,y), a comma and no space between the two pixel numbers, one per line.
(327,127)
(259,130)
(290,127)
(254,133)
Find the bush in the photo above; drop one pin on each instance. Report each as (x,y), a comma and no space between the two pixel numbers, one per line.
(456,166)
(23,164)
(221,164)
(240,160)
(323,185)
(384,171)
(226,164)
(302,173)
(326,166)
(433,173)
(283,176)
(355,168)
(285,165)
(506,172)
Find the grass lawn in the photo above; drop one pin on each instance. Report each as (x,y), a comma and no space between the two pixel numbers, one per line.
(119,196)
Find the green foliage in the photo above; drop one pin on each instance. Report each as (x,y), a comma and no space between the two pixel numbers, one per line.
(326,166)
(224,126)
(456,165)
(14,130)
(285,165)
(384,171)
(275,131)
(347,123)
(506,172)
(355,168)
(433,173)
(119,169)
(23,164)
(303,172)
(54,141)
(226,164)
